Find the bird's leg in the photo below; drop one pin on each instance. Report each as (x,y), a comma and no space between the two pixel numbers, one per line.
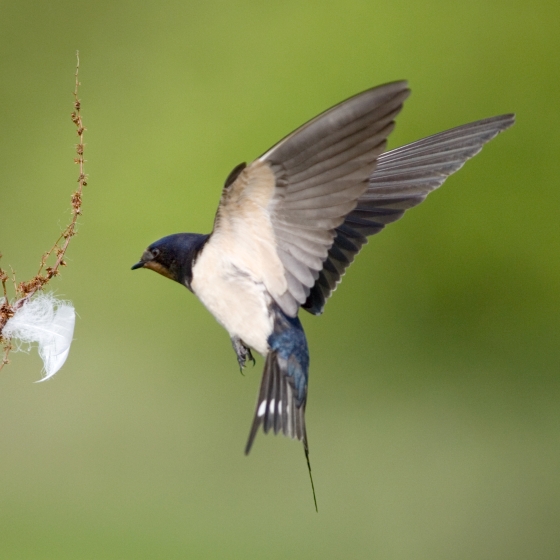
(243,352)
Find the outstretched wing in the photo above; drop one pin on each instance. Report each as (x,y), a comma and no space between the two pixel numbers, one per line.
(402,179)
(277,217)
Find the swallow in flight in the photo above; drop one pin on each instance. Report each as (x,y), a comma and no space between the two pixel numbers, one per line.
(290,223)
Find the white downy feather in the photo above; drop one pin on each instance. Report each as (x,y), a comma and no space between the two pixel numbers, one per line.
(50,323)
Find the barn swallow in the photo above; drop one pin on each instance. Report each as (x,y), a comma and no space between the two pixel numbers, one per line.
(290,223)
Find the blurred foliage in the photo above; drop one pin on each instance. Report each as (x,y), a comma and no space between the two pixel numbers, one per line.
(433,413)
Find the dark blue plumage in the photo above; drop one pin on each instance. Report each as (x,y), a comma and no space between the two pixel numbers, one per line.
(289,342)
(173,256)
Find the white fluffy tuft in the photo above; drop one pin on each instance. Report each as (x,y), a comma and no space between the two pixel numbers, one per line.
(50,323)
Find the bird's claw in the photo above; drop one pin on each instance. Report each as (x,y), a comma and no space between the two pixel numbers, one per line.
(243,353)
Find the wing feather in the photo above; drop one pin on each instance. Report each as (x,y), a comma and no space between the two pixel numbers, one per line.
(321,170)
(403,178)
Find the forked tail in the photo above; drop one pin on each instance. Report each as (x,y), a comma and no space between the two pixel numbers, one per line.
(283,392)
(278,408)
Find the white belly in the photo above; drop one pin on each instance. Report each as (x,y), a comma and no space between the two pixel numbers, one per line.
(238,303)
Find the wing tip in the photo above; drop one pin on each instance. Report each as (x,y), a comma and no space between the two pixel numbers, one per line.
(505,121)
(508,119)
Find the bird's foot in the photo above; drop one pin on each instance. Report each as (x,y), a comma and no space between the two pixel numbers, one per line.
(243,352)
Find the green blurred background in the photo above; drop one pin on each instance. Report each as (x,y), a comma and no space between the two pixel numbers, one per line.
(434,401)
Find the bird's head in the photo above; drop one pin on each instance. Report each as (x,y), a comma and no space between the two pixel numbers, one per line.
(173,256)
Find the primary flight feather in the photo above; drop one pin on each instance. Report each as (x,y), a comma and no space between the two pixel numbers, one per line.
(290,223)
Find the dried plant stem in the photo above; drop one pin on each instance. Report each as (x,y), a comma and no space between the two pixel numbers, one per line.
(25,290)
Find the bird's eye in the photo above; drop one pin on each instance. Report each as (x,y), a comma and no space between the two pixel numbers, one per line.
(155,253)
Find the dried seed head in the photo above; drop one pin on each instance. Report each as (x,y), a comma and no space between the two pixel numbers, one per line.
(25,291)
(76,200)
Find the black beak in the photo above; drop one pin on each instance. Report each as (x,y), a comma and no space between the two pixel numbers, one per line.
(139,264)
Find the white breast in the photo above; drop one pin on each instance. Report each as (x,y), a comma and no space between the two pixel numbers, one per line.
(229,292)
